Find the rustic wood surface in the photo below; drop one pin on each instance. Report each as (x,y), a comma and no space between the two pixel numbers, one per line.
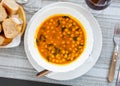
(14,63)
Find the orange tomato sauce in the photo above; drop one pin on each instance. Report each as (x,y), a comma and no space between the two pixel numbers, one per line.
(60,39)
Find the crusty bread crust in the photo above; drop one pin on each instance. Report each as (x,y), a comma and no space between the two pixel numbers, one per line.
(3,13)
(10,6)
(0,28)
(1,40)
(4,41)
(13,24)
(10,28)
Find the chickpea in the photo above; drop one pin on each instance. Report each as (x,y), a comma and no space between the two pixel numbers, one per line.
(42,50)
(80,32)
(78,42)
(63,60)
(58,37)
(70,21)
(53,60)
(46,36)
(50,23)
(73,45)
(77,32)
(69,25)
(48,31)
(64,33)
(67,19)
(64,45)
(76,49)
(68,32)
(48,27)
(71,39)
(82,42)
(61,35)
(80,47)
(51,20)
(76,45)
(70,49)
(63,51)
(52,56)
(53,31)
(60,61)
(45,46)
(65,56)
(54,23)
(76,54)
(73,29)
(74,23)
(58,57)
(51,41)
(66,52)
(56,61)
(71,59)
(79,39)
(63,42)
(73,42)
(52,27)
(72,35)
(52,51)
(81,50)
(76,27)
(63,22)
(68,42)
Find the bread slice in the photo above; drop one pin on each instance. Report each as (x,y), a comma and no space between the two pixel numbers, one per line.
(0,28)
(4,41)
(3,13)
(11,6)
(11,27)
(18,22)
(1,40)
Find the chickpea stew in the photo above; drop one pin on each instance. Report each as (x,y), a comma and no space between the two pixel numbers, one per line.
(60,39)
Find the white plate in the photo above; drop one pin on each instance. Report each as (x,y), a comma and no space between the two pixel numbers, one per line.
(92,58)
(40,17)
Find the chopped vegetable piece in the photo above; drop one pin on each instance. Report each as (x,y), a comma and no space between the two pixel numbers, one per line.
(63,29)
(42,38)
(65,17)
(57,50)
(58,23)
(48,58)
(37,41)
(75,38)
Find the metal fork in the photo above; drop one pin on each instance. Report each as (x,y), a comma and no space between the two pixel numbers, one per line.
(116,40)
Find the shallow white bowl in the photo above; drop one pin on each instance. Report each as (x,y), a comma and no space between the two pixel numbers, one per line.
(40,17)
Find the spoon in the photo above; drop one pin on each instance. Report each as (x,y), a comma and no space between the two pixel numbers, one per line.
(42,73)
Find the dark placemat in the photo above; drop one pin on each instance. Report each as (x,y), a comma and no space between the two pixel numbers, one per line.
(16,82)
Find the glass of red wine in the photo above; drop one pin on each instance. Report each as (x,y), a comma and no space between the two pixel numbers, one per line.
(98,4)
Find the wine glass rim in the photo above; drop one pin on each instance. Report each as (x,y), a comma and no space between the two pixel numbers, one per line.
(101,4)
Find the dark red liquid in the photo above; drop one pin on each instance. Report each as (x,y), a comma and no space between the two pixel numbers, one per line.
(98,4)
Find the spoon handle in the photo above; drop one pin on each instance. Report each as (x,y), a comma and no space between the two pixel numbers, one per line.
(42,73)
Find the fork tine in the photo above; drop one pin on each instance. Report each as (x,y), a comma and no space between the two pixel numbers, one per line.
(117,29)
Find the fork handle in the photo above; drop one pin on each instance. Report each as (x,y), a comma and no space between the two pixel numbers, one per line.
(112,66)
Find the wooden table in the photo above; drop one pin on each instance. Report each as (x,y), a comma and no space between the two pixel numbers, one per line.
(14,63)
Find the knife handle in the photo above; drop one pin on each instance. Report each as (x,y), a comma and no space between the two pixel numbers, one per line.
(112,67)
(42,73)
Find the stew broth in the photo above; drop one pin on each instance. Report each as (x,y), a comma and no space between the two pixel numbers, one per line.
(60,39)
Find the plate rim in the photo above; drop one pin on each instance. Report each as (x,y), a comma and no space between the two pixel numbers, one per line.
(40,16)
(77,6)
